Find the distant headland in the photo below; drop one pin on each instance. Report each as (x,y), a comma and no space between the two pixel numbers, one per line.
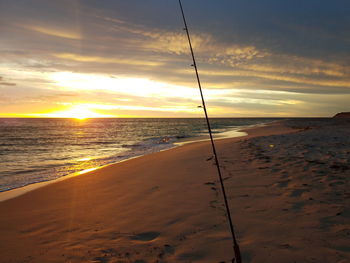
(342,115)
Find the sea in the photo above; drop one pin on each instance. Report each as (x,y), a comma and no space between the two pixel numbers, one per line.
(34,150)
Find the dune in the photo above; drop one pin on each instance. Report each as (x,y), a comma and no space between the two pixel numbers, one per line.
(342,115)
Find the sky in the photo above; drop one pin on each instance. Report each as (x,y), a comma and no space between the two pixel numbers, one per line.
(117,58)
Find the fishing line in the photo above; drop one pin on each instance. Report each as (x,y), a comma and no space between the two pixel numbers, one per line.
(236,249)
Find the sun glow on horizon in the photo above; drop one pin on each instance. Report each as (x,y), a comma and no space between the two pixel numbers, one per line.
(79,112)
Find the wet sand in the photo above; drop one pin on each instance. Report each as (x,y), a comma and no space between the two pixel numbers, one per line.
(287,184)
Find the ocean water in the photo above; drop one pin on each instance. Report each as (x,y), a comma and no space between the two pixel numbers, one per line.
(37,150)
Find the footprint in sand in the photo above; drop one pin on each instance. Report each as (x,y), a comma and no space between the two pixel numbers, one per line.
(146,236)
(335,183)
(275,170)
(298,206)
(298,192)
(168,249)
(283,183)
(100,260)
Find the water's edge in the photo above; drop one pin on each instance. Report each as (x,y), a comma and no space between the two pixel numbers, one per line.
(15,192)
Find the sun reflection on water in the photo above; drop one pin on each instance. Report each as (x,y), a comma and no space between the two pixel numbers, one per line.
(86,171)
(84,159)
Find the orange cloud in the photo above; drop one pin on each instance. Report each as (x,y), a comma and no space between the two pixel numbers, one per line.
(96,59)
(176,43)
(56,32)
(301,66)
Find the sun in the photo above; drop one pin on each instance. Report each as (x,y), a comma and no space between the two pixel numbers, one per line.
(79,112)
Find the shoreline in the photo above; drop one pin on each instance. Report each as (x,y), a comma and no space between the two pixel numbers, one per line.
(41,152)
(15,192)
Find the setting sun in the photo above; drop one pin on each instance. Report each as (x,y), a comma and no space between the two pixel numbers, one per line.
(79,112)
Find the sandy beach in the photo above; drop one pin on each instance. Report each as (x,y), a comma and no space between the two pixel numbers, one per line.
(287,184)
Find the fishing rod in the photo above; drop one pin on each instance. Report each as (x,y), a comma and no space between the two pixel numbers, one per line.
(236,249)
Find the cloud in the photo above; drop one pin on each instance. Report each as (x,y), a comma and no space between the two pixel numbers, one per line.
(97,59)
(205,46)
(301,66)
(6,83)
(56,32)
(249,64)
(278,69)
(175,42)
